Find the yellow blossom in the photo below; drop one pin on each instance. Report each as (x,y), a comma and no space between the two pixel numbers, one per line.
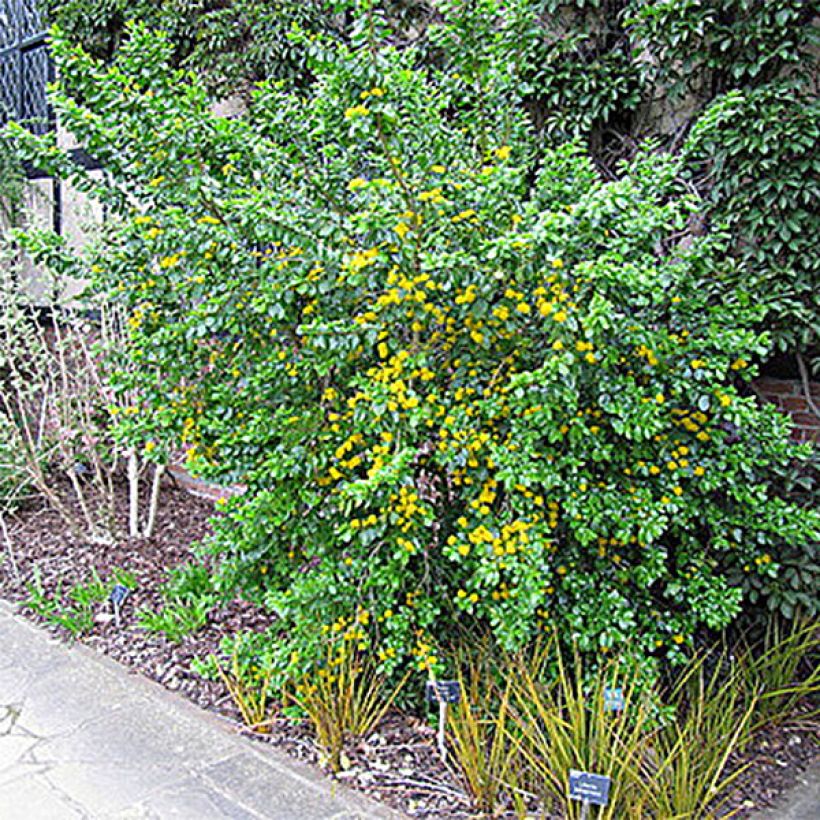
(169,261)
(460,217)
(356,111)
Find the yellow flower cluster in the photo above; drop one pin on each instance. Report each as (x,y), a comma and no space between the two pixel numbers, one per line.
(171,261)
(424,652)
(644,352)
(510,539)
(356,111)
(406,506)
(692,421)
(361,259)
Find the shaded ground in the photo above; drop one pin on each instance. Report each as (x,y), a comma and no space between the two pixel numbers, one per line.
(397,763)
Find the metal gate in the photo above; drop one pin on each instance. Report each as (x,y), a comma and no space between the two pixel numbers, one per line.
(25,66)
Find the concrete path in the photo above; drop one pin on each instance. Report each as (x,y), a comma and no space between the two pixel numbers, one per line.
(80,737)
(801,802)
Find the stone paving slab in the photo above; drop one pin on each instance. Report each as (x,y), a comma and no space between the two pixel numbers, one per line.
(81,737)
(802,802)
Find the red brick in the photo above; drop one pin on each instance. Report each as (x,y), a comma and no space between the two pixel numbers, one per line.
(794,404)
(775,387)
(807,420)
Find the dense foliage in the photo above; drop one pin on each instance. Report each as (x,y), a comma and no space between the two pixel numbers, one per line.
(466,380)
(232,41)
(610,71)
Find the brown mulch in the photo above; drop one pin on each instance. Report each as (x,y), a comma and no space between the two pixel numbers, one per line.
(396,764)
(774,758)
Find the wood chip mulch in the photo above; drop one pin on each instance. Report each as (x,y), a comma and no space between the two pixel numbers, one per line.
(396,764)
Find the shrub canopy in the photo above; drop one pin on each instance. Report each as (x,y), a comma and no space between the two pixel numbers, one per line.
(466,381)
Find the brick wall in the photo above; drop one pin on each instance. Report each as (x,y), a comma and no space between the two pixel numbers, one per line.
(789,396)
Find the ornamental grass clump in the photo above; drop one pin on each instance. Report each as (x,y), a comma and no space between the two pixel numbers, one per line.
(345,697)
(463,378)
(688,773)
(782,670)
(671,750)
(248,685)
(563,718)
(479,743)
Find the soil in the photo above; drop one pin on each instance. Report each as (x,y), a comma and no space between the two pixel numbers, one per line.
(397,763)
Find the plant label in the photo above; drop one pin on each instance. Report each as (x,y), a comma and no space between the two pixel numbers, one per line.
(119,594)
(591,788)
(443,691)
(613,699)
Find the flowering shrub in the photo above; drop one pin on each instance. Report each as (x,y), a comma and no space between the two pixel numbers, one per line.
(466,382)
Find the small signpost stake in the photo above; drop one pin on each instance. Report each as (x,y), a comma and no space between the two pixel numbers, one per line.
(117,598)
(442,724)
(443,692)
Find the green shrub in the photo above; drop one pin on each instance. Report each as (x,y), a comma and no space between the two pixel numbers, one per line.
(188,599)
(177,618)
(230,42)
(463,382)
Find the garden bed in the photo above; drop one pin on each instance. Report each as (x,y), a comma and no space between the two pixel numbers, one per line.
(397,763)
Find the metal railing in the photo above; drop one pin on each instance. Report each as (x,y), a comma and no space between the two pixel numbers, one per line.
(25,66)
